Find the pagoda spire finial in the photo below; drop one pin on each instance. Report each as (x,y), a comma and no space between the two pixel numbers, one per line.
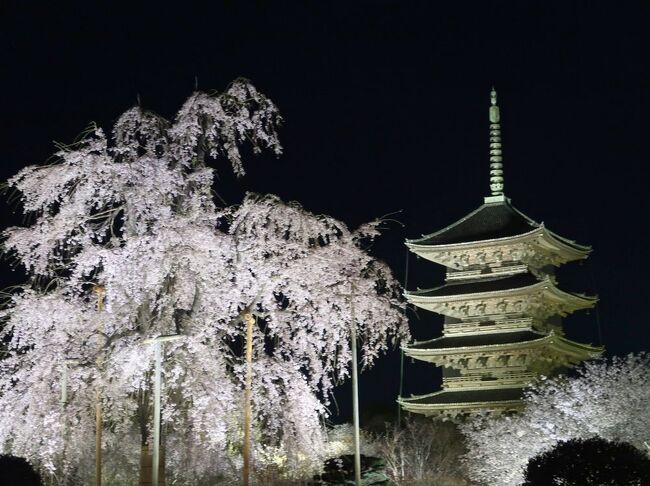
(496,159)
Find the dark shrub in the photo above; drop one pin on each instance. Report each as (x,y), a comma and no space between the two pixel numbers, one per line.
(586,462)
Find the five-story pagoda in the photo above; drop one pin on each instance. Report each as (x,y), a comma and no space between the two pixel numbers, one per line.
(501,304)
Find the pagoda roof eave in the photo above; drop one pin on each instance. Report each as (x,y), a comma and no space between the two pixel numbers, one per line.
(441,392)
(462,408)
(407,347)
(560,343)
(580,251)
(423,403)
(545,284)
(533,343)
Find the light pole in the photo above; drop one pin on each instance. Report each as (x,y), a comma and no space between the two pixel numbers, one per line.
(355,393)
(158,353)
(355,387)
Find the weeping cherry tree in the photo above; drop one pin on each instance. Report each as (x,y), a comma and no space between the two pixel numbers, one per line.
(134,215)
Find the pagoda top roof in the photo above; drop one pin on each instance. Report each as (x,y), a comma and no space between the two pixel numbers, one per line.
(483,339)
(494,220)
(480,285)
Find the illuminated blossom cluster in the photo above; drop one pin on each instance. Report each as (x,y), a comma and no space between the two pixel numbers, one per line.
(134,214)
(608,400)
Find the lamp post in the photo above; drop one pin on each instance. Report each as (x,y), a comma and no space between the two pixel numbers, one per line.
(355,393)
(355,387)
(158,353)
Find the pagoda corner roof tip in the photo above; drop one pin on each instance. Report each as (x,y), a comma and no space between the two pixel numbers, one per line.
(596,350)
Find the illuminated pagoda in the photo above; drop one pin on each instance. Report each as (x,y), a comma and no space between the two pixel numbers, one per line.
(501,304)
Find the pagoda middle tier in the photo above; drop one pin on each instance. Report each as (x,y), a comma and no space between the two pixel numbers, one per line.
(502,308)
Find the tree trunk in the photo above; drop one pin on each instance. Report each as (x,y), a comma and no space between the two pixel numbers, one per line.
(99,291)
(250,320)
(146,467)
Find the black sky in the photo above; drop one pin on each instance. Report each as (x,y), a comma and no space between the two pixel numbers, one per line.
(385,106)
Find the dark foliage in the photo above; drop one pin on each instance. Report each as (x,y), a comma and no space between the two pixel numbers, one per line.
(594,461)
(422,452)
(340,471)
(15,471)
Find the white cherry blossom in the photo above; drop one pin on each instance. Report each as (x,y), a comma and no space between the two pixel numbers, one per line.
(608,400)
(134,214)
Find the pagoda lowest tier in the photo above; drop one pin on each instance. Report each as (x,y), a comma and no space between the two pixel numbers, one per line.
(501,304)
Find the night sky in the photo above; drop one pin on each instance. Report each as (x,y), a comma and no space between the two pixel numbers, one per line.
(385,106)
